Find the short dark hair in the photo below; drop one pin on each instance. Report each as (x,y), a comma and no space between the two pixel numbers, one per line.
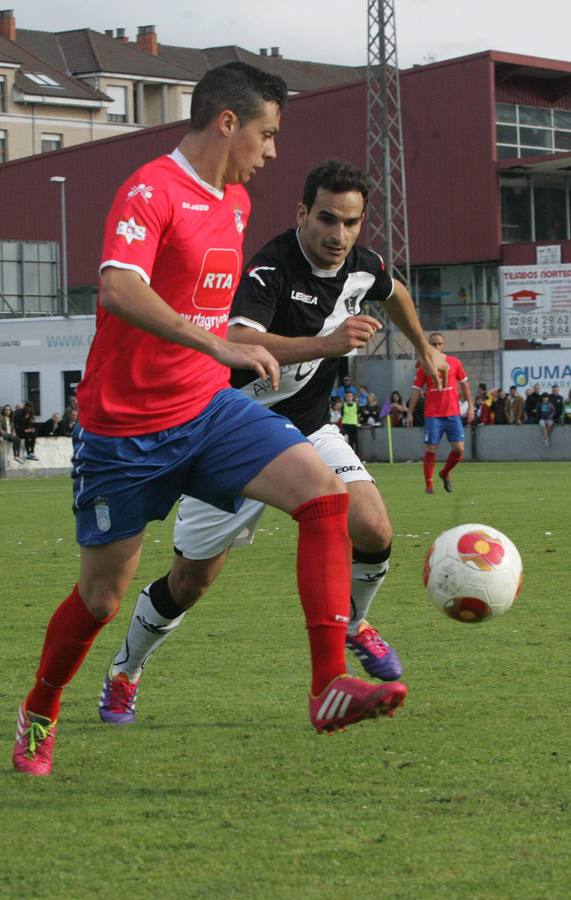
(238,87)
(337,176)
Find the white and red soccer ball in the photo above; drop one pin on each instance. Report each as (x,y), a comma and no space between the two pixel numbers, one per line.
(473,573)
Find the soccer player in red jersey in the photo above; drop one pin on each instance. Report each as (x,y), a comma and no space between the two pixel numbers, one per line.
(442,414)
(157,411)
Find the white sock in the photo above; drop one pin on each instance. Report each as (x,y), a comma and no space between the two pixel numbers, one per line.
(147,631)
(366,579)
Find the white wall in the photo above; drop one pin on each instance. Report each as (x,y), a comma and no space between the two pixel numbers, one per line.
(49,346)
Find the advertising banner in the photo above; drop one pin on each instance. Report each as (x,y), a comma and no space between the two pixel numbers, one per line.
(524,368)
(535,302)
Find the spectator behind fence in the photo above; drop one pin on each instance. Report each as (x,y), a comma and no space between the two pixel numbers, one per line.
(546,417)
(514,407)
(567,408)
(557,401)
(8,431)
(68,422)
(350,420)
(484,394)
(370,414)
(482,412)
(50,428)
(362,396)
(336,411)
(343,388)
(26,429)
(532,401)
(399,410)
(498,408)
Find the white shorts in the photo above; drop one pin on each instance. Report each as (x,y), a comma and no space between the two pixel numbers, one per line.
(202,531)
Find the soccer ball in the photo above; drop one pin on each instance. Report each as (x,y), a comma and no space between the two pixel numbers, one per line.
(472,573)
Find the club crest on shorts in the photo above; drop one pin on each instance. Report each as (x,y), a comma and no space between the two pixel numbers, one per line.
(102,514)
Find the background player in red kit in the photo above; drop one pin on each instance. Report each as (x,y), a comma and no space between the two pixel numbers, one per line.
(442,414)
(157,411)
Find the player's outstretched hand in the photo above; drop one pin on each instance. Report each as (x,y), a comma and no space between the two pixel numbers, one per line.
(434,364)
(354,332)
(250,356)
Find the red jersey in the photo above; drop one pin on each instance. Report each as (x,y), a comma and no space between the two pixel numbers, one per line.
(440,402)
(184,238)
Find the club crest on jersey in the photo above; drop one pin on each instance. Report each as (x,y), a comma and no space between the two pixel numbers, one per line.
(143,190)
(238,213)
(131,231)
(352,303)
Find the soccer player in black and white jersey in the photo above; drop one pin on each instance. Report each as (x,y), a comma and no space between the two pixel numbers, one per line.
(300,297)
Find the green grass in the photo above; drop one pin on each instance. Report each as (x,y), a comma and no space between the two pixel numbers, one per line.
(224,790)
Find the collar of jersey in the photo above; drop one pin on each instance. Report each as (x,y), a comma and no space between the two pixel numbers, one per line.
(181,160)
(321,273)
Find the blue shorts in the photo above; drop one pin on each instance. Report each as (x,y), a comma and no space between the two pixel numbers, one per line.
(436,426)
(121,483)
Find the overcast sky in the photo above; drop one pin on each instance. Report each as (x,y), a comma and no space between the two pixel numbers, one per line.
(333,31)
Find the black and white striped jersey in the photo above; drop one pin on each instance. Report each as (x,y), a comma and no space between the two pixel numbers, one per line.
(282,292)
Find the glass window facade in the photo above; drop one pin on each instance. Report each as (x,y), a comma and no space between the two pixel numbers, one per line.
(28,279)
(531,130)
(456,297)
(535,208)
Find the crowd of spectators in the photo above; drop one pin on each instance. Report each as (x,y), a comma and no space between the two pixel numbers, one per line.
(19,426)
(351,407)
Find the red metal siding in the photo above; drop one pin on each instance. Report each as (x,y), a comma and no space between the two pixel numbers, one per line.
(449,140)
(315,125)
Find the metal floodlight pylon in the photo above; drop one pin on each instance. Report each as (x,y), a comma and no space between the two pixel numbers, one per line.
(387,226)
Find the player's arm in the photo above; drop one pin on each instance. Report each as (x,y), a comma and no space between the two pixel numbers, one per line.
(401,311)
(467,393)
(124,294)
(353,333)
(412,405)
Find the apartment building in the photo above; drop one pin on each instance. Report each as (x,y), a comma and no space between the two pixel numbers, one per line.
(58,89)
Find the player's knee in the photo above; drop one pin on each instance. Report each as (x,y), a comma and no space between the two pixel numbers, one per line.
(102,604)
(189,583)
(371,534)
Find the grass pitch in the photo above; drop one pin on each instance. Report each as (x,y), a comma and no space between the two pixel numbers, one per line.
(224,790)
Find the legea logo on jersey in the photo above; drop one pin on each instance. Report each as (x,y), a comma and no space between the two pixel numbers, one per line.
(131,231)
(218,278)
(304,298)
(141,190)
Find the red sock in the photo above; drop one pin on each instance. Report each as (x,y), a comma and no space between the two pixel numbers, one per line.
(428,463)
(454,457)
(324,582)
(69,636)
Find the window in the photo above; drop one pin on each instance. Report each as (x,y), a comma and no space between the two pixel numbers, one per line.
(186,103)
(535,208)
(118,111)
(3,147)
(70,383)
(51,142)
(31,390)
(2,94)
(531,130)
(456,297)
(516,210)
(41,78)
(28,279)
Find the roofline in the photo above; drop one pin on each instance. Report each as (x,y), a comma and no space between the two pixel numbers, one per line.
(497,56)
(51,100)
(146,78)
